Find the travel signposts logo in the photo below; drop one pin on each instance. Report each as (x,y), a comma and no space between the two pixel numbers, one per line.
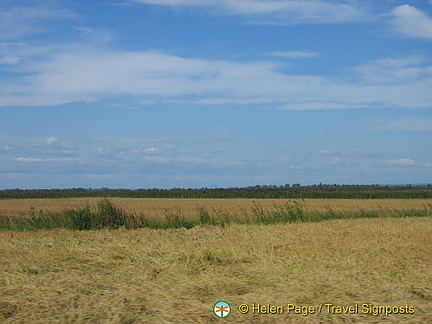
(221,309)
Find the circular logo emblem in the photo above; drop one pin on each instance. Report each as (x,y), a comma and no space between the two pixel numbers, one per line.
(221,309)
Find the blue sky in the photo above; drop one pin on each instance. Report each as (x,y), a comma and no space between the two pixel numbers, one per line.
(214,93)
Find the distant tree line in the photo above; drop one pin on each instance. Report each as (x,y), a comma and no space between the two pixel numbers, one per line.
(259,191)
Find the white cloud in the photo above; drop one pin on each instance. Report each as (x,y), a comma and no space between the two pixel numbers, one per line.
(152,149)
(18,22)
(99,176)
(86,75)
(52,140)
(200,158)
(394,70)
(296,54)
(55,75)
(298,106)
(32,160)
(53,145)
(411,22)
(331,151)
(400,162)
(333,160)
(275,11)
(355,153)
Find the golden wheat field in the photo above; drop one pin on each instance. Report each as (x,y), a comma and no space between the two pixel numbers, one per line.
(188,207)
(177,275)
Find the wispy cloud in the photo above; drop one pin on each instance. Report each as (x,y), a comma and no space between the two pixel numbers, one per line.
(411,22)
(411,124)
(317,105)
(65,73)
(9,59)
(32,160)
(394,70)
(24,19)
(53,145)
(88,75)
(111,156)
(275,11)
(95,35)
(296,54)
(400,162)
(130,158)
(356,152)
(7,149)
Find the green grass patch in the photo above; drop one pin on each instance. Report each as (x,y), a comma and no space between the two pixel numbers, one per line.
(106,215)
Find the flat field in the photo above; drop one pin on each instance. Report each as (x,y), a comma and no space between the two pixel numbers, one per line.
(177,275)
(156,206)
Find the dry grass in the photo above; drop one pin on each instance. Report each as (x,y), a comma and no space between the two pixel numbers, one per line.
(164,276)
(156,206)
